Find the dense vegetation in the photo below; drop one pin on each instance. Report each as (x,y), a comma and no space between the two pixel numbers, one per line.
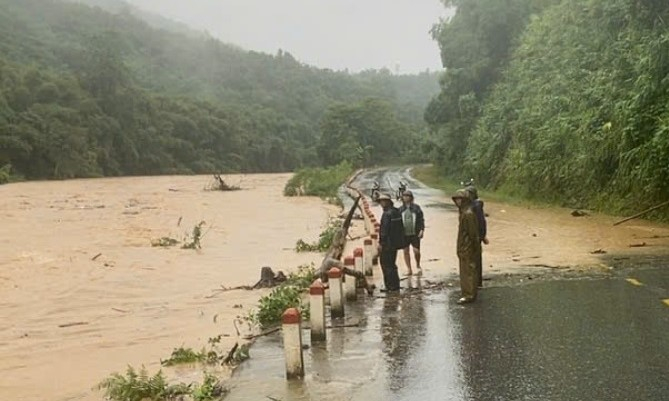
(85,92)
(318,181)
(562,100)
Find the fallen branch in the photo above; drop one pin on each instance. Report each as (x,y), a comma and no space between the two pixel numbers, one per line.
(96,256)
(636,216)
(241,287)
(264,333)
(231,354)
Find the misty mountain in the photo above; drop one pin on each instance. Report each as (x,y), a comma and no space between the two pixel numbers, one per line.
(88,92)
(153,19)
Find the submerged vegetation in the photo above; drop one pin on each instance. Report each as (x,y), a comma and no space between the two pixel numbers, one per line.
(287,295)
(325,238)
(190,240)
(140,386)
(210,356)
(564,101)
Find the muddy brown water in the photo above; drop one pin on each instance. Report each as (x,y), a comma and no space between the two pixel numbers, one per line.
(67,321)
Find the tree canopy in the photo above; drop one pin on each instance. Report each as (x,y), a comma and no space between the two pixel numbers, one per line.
(89,92)
(572,107)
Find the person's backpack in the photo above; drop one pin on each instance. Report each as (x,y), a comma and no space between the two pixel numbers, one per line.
(397,237)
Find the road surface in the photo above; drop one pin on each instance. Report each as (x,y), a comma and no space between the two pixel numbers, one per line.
(578,337)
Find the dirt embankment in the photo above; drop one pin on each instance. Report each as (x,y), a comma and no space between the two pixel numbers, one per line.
(67,321)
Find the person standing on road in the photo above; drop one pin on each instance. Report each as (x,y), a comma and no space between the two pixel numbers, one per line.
(414,228)
(469,246)
(391,238)
(477,207)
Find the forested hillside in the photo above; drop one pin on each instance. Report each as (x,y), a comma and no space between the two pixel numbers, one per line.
(85,92)
(563,100)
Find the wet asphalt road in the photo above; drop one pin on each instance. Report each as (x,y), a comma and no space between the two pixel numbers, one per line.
(597,338)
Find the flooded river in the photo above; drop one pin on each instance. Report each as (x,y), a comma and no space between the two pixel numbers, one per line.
(84,294)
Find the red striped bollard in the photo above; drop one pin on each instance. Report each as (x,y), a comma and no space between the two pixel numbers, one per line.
(291,323)
(336,293)
(317,311)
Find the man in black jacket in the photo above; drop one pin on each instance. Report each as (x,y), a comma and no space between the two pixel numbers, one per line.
(414,228)
(391,238)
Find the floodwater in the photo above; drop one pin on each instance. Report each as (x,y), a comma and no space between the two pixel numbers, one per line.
(84,294)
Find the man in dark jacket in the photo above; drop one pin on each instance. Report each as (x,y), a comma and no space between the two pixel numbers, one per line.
(477,207)
(391,238)
(414,228)
(469,246)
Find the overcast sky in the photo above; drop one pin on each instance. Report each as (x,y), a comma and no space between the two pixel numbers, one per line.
(337,34)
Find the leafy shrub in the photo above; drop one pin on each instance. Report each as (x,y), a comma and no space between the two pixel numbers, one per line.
(287,295)
(183,355)
(322,182)
(5,173)
(272,306)
(303,277)
(139,386)
(324,239)
(210,390)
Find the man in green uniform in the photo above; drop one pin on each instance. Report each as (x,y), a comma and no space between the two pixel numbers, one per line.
(468,248)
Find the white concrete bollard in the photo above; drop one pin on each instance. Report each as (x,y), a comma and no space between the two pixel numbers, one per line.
(317,311)
(336,293)
(349,281)
(292,343)
(368,254)
(358,254)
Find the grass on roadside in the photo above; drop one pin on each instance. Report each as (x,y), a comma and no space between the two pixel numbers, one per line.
(430,176)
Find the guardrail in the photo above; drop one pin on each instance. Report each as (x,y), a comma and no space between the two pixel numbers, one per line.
(341,288)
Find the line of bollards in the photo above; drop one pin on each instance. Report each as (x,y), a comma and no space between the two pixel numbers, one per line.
(341,288)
